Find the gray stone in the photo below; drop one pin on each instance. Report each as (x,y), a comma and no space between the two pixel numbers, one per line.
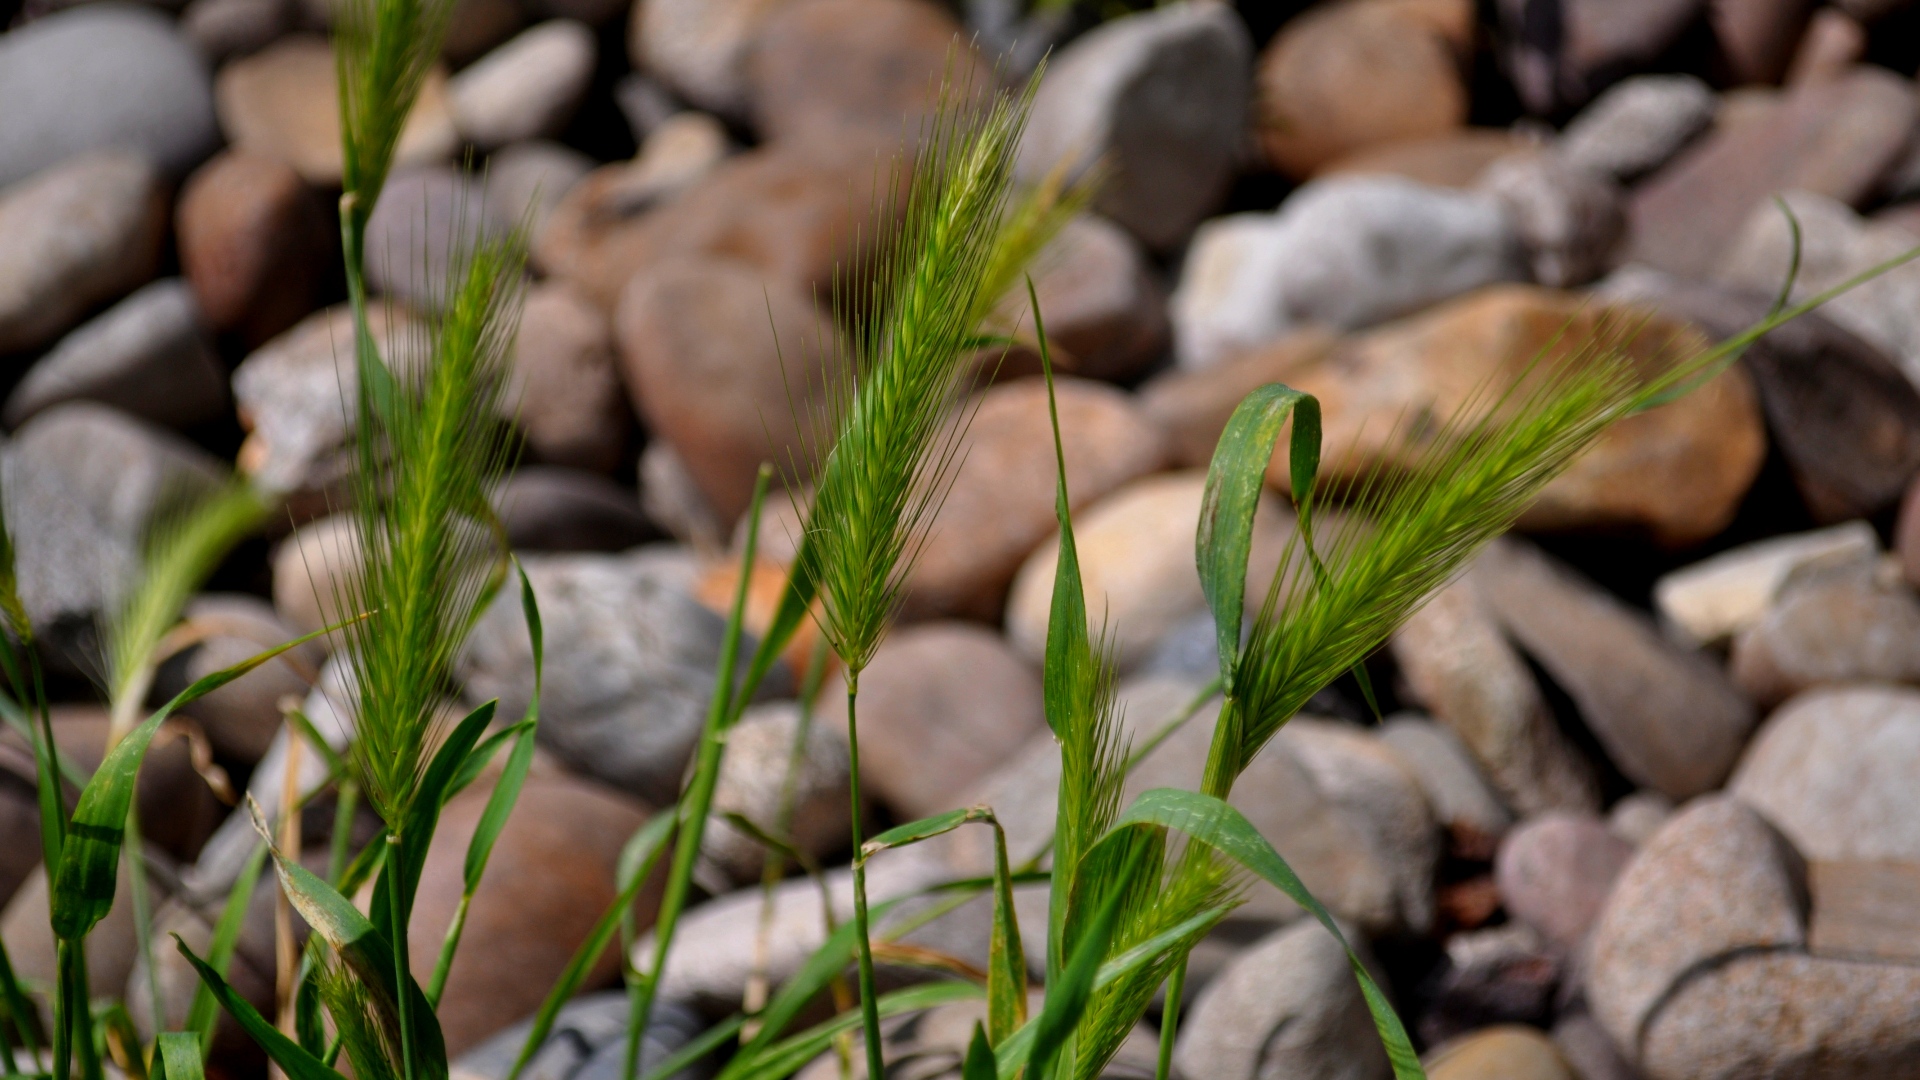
(1835,245)
(1347,252)
(673,500)
(1667,716)
(527,88)
(1562,52)
(1458,791)
(547,508)
(526,180)
(1505,974)
(760,764)
(1835,770)
(1160,100)
(1286,1008)
(1466,673)
(1106,315)
(73,237)
(426,218)
(630,660)
(564,392)
(84,483)
(1638,124)
(1710,601)
(588,1042)
(148,355)
(1855,623)
(699,47)
(1570,219)
(1716,880)
(225,28)
(241,718)
(1555,871)
(103,76)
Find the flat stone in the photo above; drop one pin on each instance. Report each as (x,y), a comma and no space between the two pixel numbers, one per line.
(1452,160)
(1836,245)
(764,762)
(1562,55)
(292,397)
(1364,73)
(565,394)
(942,705)
(1677,473)
(84,484)
(1834,768)
(1836,139)
(222,29)
(1194,405)
(550,508)
(252,238)
(1511,1052)
(1462,668)
(699,48)
(551,876)
(1137,567)
(1570,220)
(1159,100)
(1346,252)
(1286,1006)
(1715,881)
(630,658)
(1852,623)
(1666,715)
(1710,601)
(795,213)
(730,368)
(147,355)
(281,103)
(999,508)
(1841,412)
(528,88)
(73,237)
(98,78)
(1106,314)
(1638,125)
(1555,871)
(878,65)
(1864,909)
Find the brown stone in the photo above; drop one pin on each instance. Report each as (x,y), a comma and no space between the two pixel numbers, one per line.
(550,879)
(566,382)
(253,240)
(1193,405)
(1835,768)
(1351,75)
(1757,37)
(281,103)
(942,705)
(1507,1052)
(1677,472)
(1835,138)
(1906,534)
(1834,41)
(1667,716)
(1555,871)
(1000,505)
(727,366)
(1105,314)
(241,718)
(1835,626)
(796,213)
(873,64)
(1455,159)
(1865,909)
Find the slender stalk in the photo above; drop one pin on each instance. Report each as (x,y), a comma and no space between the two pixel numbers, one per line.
(774,865)
(698,802)
(869,997)
(286,956)
(400,973)
(1170,1020)
(346,803)
(437,985)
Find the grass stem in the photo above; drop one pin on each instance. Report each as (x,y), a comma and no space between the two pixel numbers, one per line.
(401,976)
(863,942)
(1170,1020)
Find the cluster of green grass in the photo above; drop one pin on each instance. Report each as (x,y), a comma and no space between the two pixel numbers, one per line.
(1132,887)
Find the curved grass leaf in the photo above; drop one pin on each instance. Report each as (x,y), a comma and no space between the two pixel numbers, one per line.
(789,1055)
(293,1060)
(1218,825)
(176,1056)
(84,884)
(1067,997)
(1235,479)
(637,860)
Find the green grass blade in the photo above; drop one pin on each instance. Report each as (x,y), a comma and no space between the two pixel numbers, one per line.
(1218,825)
(1067,999)
(19,1023)
(176,1056)
(790,1054)
(493,819)
(202,1014)
(293,1060)
(925,829)
(979,1063)
(1235,479)
(638,859)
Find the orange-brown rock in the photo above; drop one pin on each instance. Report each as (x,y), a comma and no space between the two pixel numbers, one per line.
(1455,159)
